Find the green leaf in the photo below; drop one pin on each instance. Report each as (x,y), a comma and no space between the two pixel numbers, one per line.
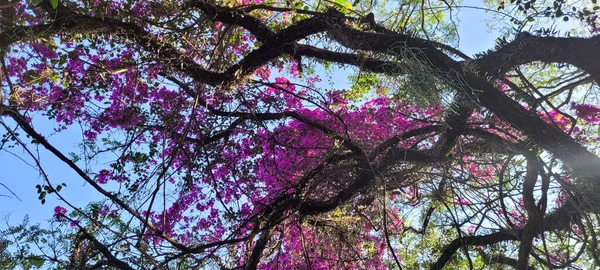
(38,262)
(54,3)
(36,2)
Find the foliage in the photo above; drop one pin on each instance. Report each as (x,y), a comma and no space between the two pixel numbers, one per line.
(210,141)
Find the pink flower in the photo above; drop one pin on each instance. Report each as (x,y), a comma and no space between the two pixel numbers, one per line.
(59,212)
(104,176)
(75,223)
(462,201)
(587,112)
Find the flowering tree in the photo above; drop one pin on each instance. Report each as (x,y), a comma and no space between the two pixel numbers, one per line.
(220,149)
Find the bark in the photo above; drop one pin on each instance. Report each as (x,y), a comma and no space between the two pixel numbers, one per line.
(470,78)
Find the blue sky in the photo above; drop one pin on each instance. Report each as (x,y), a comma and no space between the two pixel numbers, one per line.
(22,179)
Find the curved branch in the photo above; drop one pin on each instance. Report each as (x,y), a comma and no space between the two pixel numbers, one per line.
(257,251)
(527,48)
(483,240)
(560,219)
(583,162)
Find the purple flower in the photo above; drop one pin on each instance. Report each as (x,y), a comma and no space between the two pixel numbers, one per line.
(59,212)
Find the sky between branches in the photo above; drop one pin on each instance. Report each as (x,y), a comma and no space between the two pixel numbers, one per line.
(21,178)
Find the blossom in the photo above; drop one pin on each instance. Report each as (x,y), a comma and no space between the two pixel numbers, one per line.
(104,176)
(462,201)
(59,212)
(74,223)
(587,112)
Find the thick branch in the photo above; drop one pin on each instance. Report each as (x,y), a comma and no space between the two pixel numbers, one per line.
(535,215)
(455,120)
(235,17)
(526,48)
(560,219)
(257,251)
(364,63)
(483,240)
(551,138)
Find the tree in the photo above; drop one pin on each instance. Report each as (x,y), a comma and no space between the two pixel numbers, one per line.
(222,151)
